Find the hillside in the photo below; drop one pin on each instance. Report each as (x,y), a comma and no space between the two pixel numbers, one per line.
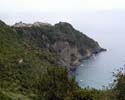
(34,59)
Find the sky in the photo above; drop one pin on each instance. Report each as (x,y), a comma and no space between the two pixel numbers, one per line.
(85,15)
(7,6)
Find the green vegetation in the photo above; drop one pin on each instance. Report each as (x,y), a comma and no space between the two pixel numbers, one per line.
(29,71)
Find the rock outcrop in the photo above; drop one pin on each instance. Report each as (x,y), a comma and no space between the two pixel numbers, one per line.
(37,24)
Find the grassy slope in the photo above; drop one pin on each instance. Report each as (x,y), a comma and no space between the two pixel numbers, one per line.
(18,77)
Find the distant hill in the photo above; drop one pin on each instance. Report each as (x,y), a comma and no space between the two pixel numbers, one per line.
(62,39)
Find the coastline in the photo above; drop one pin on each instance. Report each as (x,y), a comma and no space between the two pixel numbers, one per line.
(95,52)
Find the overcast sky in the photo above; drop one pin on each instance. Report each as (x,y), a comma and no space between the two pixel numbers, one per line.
(60,5)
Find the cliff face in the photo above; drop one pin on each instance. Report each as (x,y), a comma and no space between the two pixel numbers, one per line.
(62,39)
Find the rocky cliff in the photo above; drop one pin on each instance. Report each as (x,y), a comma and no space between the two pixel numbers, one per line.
(66,42)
